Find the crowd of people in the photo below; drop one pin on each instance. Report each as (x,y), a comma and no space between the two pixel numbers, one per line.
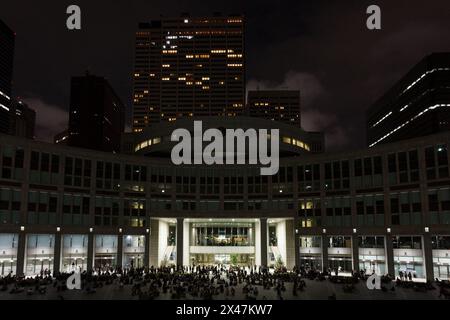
(201,282)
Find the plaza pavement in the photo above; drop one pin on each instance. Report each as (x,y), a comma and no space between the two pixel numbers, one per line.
(315,290)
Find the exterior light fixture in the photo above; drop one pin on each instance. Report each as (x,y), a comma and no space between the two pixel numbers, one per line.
(427,229)
(58,229)
(22,228)
(354,230)
(388,230)
(120,230)
(91,229)
(324,231)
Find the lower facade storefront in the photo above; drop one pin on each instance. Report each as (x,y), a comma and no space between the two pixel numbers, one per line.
(441,257)
(401,256)
(271,242)
(74,252)
(8,253)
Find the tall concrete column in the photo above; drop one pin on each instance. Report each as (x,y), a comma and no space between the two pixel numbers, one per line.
(290,245)
(20,268)
(325,240)
(154,243)
(390,256)
(57,254)
(180,236)
(119,250)
(147,250)
(355,252)
(296,244)
(90,254)
(428,256)
(263,235)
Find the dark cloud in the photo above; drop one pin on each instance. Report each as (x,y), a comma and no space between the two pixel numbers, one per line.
(50,119)
(308,84)
(290,43)
(312,119)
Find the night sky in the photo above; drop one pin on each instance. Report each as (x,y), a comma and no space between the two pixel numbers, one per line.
(321,47)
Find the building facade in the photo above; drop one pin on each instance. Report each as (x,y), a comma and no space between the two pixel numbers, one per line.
(7,39)
(417,105)
(96,116)
(156,141)
(188,67)
(384,209)
(277,105)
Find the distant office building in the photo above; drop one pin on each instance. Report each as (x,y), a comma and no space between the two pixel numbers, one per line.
(417,105)
(22,120)
(7,37)
(97,115)
(188,67)
(277,105)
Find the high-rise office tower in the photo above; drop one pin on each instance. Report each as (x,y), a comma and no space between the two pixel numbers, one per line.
(23,120)
(97,115)
(188,67)
(417,105)
(277,105)
(7,38)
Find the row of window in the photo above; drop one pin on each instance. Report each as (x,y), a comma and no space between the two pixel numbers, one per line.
(403,167)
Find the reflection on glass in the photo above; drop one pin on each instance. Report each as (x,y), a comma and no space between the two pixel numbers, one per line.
(39,254)
(105,253)
(74,253)
(8,254)
(223,235)
(133,251)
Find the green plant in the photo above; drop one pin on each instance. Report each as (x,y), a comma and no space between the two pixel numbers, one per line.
(279,263)
(234,259)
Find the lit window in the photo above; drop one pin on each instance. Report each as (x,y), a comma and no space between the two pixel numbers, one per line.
(287,140)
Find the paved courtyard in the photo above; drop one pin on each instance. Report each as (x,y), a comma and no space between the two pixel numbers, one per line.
(316,290)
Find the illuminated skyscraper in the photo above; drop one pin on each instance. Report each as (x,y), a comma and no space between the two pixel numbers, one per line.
(188,67)
(7,38)
(417,105)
